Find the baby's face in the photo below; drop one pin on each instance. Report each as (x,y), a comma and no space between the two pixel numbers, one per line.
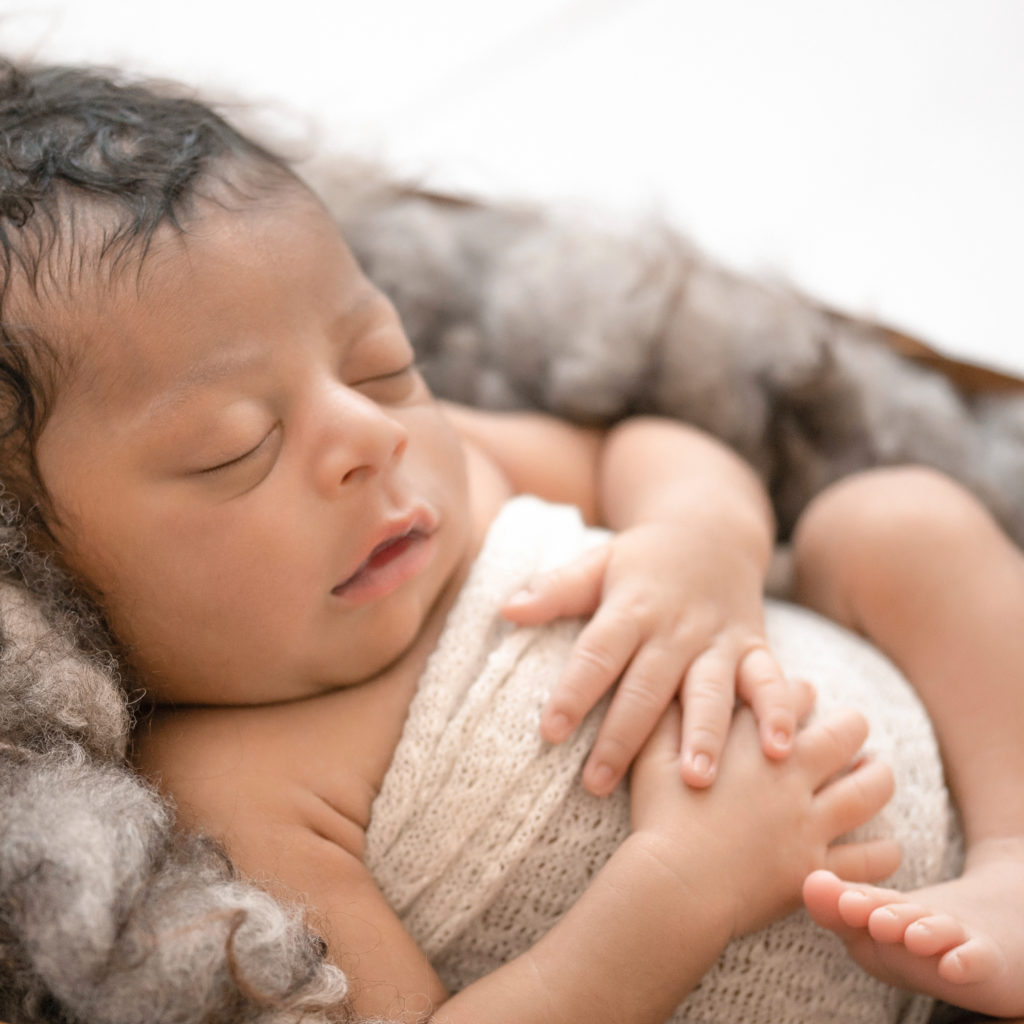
(247,467)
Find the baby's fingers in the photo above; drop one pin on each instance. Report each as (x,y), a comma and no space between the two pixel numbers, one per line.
(601,653)
(855,798)
(870,861)
(643,694)
(806,695)
(708,704)
(776,701)
(569,591)
(828,746)
(663,743)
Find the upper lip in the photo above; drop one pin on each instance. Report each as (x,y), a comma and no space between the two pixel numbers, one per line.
(417,521)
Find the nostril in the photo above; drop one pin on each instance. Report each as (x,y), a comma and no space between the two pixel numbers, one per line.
(360,447)
(355,474)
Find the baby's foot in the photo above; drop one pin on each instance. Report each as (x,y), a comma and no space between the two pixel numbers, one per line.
(961,941)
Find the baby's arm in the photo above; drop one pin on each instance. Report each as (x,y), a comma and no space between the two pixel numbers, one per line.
(681,608)
(699,868)
(676,598)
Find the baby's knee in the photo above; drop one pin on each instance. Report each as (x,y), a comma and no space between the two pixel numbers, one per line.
(875,524)
(881,505)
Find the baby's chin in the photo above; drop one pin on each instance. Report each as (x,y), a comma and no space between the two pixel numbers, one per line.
(400,637)
(392,645)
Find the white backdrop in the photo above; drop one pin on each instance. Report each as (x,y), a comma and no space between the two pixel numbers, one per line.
(870,151)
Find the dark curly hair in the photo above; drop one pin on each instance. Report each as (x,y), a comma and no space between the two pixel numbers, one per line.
(76,140)
(92,163)
(174,933)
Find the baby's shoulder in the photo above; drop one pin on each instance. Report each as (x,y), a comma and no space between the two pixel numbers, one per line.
(241,773)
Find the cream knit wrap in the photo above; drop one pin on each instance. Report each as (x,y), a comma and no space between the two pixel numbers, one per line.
(482,834)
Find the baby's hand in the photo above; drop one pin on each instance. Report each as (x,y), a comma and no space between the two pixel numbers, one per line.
(753,839)
(675,613)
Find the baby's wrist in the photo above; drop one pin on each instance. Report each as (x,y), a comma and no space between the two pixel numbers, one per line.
(687,875)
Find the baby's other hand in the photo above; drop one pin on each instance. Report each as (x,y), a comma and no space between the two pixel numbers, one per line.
(672,618)
(766,824)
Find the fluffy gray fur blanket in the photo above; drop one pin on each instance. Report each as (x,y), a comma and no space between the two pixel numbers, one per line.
(513,307)
(107,913)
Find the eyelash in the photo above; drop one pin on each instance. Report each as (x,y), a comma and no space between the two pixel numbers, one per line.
(238,459)
(385,378)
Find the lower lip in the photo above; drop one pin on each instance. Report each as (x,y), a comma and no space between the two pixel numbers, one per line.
(387,570)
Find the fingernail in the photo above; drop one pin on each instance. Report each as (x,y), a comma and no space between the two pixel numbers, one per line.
(602,778)
(781,738)
(520,596)
(558,726)
(702,764)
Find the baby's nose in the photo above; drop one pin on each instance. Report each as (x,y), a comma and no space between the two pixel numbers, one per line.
(360,438)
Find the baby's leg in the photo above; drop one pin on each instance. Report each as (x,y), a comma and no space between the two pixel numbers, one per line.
(915,563)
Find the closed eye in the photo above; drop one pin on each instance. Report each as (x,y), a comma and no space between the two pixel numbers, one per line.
(390,387)
(390,375)
(238,460)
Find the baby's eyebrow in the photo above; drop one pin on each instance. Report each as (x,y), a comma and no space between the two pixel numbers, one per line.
(207,373)
(238,361)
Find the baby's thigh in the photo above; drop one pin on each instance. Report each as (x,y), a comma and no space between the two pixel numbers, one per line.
(877,530)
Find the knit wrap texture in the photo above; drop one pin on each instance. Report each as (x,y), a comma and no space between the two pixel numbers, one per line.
(482,835)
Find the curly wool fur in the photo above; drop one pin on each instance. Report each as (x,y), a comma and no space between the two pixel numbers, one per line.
(107,914)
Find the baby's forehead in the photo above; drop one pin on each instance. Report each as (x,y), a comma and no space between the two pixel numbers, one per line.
(83,240)
(71,269)
(97,263)
(192,284)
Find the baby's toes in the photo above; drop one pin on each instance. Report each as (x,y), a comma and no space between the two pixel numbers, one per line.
(975,960)
(856,905)
(890,923)
(934,934)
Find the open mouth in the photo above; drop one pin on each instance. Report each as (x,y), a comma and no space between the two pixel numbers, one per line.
(390,564)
